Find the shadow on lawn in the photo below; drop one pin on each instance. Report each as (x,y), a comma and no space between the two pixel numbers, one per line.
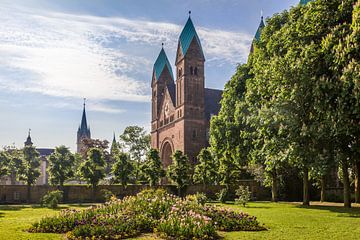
(342,212)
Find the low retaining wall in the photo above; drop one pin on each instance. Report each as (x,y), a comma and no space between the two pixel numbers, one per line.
(16,194)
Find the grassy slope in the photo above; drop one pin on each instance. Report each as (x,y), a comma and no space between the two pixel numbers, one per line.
(285,221)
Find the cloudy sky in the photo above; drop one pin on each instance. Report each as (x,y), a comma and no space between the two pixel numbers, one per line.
(54,53)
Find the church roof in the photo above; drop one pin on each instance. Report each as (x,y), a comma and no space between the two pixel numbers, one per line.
(212,102)
(160,64)
(260,28)
(187,35)
(304,2)
(172,91)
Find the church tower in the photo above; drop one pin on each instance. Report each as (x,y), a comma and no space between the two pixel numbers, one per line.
(83,131)
(190,89)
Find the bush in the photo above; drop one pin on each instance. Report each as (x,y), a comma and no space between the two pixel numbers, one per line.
(107,194)
(243,194)
(199,198)
(52,199)
(149,211)
(222,195)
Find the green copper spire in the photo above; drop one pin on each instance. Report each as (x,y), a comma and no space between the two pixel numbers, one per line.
(187,35)
(304,2)
(160,64)
(260,28)
(84,130)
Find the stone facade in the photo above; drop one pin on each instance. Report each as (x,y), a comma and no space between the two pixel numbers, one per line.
(182,108)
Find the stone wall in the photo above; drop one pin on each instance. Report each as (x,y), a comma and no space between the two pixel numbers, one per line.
(16,194)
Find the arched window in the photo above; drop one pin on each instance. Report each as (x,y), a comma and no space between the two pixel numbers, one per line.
(191,70)
(180,72)
(195,71)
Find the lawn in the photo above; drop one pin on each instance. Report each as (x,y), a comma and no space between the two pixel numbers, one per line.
(284,220)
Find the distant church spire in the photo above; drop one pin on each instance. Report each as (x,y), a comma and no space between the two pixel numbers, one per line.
(84,130)
(113,145)
(28,140)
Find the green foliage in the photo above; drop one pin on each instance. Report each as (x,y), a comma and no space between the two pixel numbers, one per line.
(52,199)
(122,168)
(27,164)
(92,170)
(150,211)
(61,164)
(199,198)
(296,101)
(206,169)
(136,142)
(107,194)
(179,172)
(152,168)
(222,195)
(4,163)
(244,195)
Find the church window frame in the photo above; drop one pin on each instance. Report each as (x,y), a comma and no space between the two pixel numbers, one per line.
(191,70)
(196,71)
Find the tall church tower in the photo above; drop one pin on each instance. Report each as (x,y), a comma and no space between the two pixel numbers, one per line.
(190,89)
(83,131)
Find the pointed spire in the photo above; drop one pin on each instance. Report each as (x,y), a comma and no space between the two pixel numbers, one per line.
(84,129)
(28,139)
(114,145)
(114,139)
(187,35)
(260,28)
(160,63)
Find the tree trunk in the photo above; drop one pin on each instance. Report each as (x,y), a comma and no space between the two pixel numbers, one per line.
(323,186)
(346,182)
(357,184)
(28,197)
(274,188)
(306,195)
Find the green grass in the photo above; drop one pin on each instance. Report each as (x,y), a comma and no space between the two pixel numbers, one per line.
(284,221)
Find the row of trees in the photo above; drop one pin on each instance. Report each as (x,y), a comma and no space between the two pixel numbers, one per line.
(296,101)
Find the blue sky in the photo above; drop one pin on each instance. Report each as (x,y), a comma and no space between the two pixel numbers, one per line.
(55,53)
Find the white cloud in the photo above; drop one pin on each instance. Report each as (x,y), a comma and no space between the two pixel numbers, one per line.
(68,55)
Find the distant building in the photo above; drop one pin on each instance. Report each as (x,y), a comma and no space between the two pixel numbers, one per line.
(43,178)
(83,131)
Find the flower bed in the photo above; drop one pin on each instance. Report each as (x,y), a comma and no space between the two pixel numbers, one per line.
(149,211)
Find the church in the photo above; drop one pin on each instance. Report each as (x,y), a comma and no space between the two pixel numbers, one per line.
(181,105)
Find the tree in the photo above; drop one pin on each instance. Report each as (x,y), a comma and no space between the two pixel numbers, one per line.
(92,170)
(4,163)
(137,143)
(61,164)
(206,170)
(122,168)
(152,168)
(28,167)
(179,172)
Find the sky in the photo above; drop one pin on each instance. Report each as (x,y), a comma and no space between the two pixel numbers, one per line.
(54,53)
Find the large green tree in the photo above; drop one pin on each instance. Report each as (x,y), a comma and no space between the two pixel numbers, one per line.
(206,170)
(92,170)
(61,164)
(179,172)
(4,163)
(27,165)
(136,142)
(152,168)
(122,168)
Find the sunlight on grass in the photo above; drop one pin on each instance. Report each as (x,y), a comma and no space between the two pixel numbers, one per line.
(284,221)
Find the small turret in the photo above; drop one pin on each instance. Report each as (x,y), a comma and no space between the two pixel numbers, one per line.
(28,140)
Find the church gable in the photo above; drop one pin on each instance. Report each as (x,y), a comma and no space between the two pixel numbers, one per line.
(167,112)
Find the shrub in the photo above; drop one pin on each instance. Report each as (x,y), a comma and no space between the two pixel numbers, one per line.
(243,194)
(222,195)
(107,194)
(149,211)
(199,198)
(51,199)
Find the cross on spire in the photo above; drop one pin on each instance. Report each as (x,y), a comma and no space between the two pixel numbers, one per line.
(29,132)
(189,13)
